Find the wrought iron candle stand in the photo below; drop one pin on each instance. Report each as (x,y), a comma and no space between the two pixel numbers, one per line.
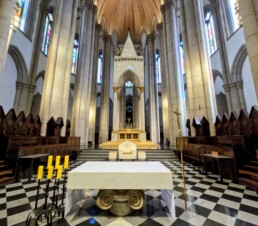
(48,213)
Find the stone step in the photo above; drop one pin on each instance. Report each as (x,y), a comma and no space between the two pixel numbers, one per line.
(250,183)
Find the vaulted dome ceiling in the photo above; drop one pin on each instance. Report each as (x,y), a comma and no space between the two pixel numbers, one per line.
(138,16)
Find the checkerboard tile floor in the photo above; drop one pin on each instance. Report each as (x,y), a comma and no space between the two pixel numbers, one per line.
(209,202)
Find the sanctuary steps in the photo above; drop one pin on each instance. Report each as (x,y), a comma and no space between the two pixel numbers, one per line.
(102,155)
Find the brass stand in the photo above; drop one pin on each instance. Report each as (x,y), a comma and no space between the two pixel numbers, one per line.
(181,155)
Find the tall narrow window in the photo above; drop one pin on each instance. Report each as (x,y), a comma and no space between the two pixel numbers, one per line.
(129,84)
(158,74)
(23,12)
(47,33)
(100,66)
(182,55)
(233,15)
(210,33)
(75,54)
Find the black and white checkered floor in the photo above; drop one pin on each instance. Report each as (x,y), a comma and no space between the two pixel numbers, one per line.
(209,201)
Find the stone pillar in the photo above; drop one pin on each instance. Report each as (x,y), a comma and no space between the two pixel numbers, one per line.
(141,110)
(122,107)
(227,91)
(173,74)
(37,47)
(104,99)
(163,68)
(153,94)
(221,44)
(6,15)
(239,86)
(92,116)
(250,25)
(201,89)
(83,81)
(54,100)
(115,110)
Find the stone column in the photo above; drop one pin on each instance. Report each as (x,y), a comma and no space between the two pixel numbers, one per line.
(141,110)
(122,107)
(83,81)
(115,110)
(153,94)
(250,25)
(163,68)
(37,47)
(221,44)
(92,116)
(239,86)
(235,100)
(104,99)
(173,74)
(54,100)
(6,15)
(227,91)
(202,95)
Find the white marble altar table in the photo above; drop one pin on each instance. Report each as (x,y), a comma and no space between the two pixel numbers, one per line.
(119,176)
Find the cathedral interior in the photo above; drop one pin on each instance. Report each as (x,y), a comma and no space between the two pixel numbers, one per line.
(174,81)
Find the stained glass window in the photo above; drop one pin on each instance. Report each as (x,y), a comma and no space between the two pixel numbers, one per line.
(75,55)
(47,33)
(23,12)
(158,74)
(233,15)
(210,33)
(100,66)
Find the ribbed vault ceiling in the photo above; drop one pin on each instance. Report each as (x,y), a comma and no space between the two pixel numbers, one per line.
(136,15)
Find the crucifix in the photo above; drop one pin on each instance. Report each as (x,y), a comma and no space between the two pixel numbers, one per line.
(181,152)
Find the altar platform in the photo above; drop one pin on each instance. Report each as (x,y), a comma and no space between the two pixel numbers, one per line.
(133,135)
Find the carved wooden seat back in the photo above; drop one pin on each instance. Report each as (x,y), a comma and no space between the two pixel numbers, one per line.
(35,130)
(58,126)
(234,124)
(67,128)
(51,124)
(197,126)
(2,120)
(225,125)
(254,123)
(245,123)
(188,126)
(218,126)
(205,127)
(10,121)
(28,125)
(19,124)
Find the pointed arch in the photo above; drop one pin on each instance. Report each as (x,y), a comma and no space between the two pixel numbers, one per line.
(129,74)
(22,71)
(237,66)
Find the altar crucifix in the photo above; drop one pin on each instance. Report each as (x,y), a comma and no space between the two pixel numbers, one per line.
(181,152)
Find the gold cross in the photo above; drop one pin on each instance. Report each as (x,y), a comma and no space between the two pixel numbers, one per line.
(177,114)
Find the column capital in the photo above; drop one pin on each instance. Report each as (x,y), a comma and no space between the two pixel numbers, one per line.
(98,27)
(239,85)
(226,87)
(87,4)
(106,37)
(44,6)
(160,26)
(141,89)
(115,89)
(151,37)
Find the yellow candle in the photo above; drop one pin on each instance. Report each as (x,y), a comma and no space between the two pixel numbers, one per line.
(49,161)
(40,172)
(57,161)
(59,172)
(50,172)
(66,162)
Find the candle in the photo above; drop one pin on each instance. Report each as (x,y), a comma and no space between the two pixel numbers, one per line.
(66,162)
(40,172)
(50,172)
(57,161)
(59,172)
(49,161)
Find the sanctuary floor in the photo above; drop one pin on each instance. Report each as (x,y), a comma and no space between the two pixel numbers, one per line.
(210,203)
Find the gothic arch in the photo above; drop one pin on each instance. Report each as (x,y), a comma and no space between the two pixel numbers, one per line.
(216,73)
(129,74)
(236,70)
(22,71)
